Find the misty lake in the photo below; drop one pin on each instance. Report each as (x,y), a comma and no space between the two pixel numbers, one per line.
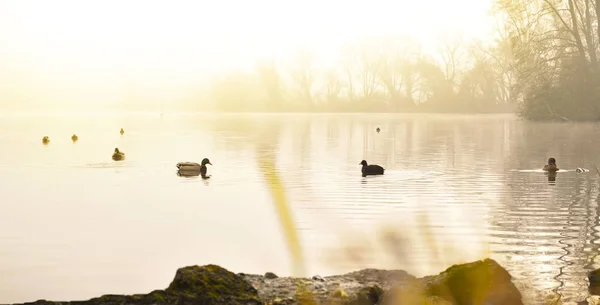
(75,225)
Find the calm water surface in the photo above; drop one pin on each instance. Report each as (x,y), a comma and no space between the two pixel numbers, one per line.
(74,224)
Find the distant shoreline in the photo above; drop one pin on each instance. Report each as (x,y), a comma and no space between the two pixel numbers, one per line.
(178,112)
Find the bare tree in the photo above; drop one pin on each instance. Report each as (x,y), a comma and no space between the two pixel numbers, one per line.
(394,64)
(303,75)
(333,87)
(361,70)
(555,62)
(271,82)
(453,58)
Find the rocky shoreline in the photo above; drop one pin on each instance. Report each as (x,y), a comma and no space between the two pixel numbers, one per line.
(480,282)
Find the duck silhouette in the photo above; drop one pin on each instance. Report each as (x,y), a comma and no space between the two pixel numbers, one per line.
(370,170)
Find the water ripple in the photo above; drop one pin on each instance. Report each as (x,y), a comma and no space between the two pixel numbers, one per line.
(454,191)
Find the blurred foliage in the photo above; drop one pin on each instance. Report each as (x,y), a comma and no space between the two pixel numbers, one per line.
(387,74)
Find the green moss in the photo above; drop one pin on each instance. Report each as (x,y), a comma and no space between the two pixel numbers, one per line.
(212,283)
(340,293)
(159,295)
(473,283)
(303,295)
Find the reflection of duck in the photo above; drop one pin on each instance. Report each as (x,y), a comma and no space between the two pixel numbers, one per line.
(193,168)
(121,131)
(551,177)
(74,138)
(45,140)
(118,155)
(371,169)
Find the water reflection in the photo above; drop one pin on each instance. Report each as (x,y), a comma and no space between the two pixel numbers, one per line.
(540,245)
(551,177)
(456,189)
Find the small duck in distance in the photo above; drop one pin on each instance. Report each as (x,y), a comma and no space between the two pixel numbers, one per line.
(551,166)
(372,169)
(118,155)
(378,129)
(193,168)
(74,138)
(45,140)
(122,131)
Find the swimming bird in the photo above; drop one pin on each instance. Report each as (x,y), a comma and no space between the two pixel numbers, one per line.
(551,166)
(118,155)
(122,131)
(74,138)
(378,129)
(371,169)
(45,140)
(193,167)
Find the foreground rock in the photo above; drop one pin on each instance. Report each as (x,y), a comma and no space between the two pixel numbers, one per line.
(477,283)
(209,284)
(481,282)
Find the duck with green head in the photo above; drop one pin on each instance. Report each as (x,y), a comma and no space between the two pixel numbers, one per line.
(194,168)
(118,155)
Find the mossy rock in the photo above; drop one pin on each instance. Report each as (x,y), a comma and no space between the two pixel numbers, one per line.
(211,284)
(594,280)
(480,282)
(206,285)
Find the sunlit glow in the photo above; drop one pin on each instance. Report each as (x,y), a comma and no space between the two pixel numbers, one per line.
(107,51)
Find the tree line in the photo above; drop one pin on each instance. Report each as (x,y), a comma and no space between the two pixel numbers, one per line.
(378,75)
(543,64)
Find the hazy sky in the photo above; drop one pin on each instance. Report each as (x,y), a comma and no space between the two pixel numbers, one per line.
(99,47)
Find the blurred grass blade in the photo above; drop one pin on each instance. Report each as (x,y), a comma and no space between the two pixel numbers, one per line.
(283,210)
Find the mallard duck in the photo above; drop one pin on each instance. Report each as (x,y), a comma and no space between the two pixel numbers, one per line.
(45,140)
(378,129)
(371,169)
(74,138)
(194,167)
(118,155)
(551,166)
(122,131)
